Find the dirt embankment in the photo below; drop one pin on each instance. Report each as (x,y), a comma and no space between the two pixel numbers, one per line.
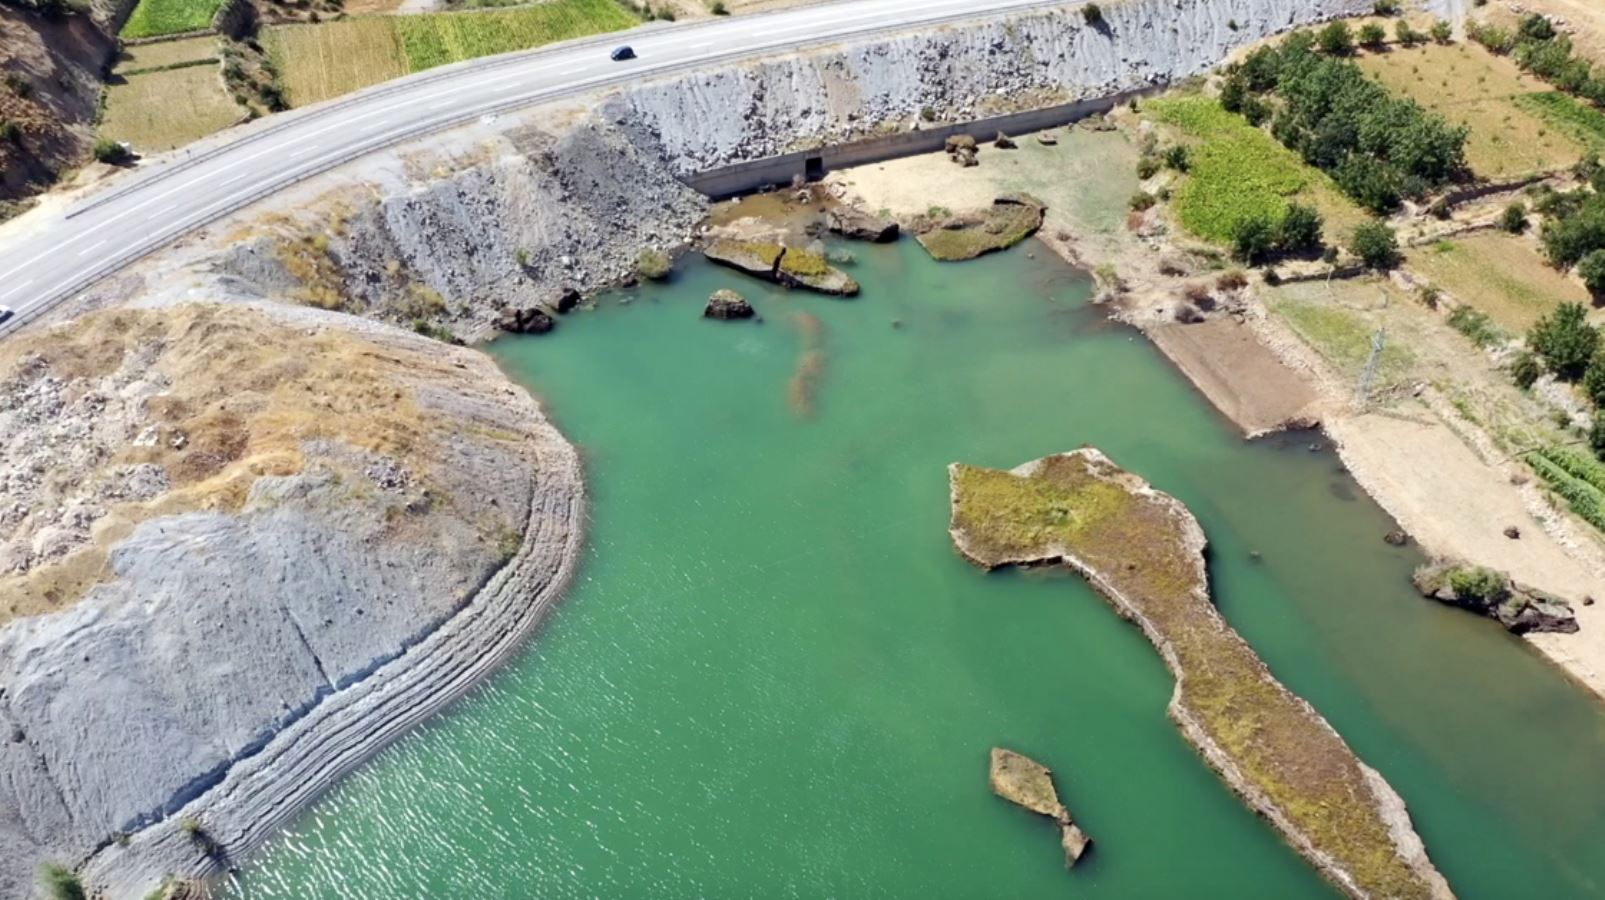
(51,74)
(244,548)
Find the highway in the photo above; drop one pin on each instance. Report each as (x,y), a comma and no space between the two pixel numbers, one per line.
(152,206)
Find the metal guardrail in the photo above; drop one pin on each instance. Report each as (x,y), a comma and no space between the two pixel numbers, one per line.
(144,248)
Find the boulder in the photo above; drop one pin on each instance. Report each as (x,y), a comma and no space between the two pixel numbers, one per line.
(852,222)
(1519,608)
(525,320)
(959,143)
(727,304)
(567,300)
(1397,537)
(1004,142)
(1046,139)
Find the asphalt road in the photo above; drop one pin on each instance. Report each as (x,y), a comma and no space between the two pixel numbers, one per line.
(147,208)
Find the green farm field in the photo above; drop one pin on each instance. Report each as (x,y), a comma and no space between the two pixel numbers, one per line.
(153,18)
(318,62)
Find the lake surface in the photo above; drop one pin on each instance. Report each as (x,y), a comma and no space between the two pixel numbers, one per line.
(774,677)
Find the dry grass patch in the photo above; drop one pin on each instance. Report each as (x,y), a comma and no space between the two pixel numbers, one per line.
(144,57)
(1468,85)
(158,111)
(1145,549)
(1501,275)
(317,62)
(246,393)
(1340,322)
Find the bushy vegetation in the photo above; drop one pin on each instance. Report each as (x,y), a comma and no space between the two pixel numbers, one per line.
(653,264)
(60,882)
(1378,148)
(1537,47)
(1565,341)
(1514,219)
(1559,469)
(1376,245)
(1478,327)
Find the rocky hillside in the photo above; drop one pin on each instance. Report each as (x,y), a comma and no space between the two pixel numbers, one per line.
(51,76)
(225,525)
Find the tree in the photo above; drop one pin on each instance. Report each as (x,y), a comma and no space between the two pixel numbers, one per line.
(1373,35)
(1253,238)
(1442,31)
(1515,218)
(1407,34)
(1336,39)
(1376,245)
(1093,14)
(1536,28)
(1565,341)
(1385,7)
(110,152)
(1300,229)
(1592,268)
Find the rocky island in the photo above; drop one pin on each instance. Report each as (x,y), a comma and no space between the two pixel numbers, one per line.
(1144,552)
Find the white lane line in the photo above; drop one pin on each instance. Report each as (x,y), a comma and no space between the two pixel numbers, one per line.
(234,179)
(16,288)
(309,148)
(93,247)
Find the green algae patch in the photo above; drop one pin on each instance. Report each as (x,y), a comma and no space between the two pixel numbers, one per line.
(1009,220)
(1143,551)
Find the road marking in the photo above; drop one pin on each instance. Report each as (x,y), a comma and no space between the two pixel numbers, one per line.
(234,179)
(17,288)
(93,247)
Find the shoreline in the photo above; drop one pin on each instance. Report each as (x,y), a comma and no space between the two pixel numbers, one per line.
(263,792)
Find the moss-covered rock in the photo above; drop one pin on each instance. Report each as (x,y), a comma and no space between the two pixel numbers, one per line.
(1009,220)
(783,265)
(1492,593)
(1143,551)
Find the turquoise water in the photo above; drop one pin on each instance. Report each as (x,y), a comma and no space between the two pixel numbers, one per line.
(773,677)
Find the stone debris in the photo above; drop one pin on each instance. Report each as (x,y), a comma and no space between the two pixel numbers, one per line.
(727,304)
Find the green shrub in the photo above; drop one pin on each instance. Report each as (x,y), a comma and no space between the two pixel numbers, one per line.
(1514,219)
(1525,369)
(1478,583)
(60,882)
(1376,245)
(1592,268)
(1565,341)
(1336,39)
(1253,238)
(1407,34)
(1594,381)
(1385,7)
(1142,200)
(110,152)
(1584,498)
(1092,13)
(718,8)
(1300,229)
(1147,167)
(10,132)
(1496,39)
(653,264)
(1442,31)
(1176,158)
(1373,35)
(1596,439)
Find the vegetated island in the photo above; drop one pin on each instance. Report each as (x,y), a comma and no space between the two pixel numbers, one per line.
(1143,551)
(1027,783)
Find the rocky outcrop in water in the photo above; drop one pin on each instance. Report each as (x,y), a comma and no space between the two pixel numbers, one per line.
(1144,552)
(852,222)
(727,304)
(1493,594)
(782,265)
(1009,220)
(1025,782)
(528,320)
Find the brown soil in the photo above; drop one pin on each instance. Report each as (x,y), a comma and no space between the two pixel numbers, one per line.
(1242,378)
(52,72)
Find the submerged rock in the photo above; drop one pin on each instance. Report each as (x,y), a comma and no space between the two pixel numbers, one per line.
(783,265)
(1492,593)
(1009,220)
(727,304)
(1025,782)
(855,223)
(1144,552)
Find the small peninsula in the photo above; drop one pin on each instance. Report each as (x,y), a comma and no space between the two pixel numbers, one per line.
(1143,551)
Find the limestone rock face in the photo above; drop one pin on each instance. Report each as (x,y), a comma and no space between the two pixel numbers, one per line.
(727,304)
